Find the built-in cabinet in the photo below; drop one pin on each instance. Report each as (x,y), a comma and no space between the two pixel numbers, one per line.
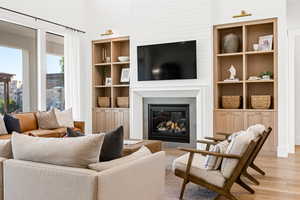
(248,63)
(108,119)
(108,65)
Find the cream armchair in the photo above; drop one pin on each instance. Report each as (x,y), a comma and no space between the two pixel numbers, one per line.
(142,179)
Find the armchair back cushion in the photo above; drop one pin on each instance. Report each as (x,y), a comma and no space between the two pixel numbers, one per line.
(72,152)
(27,121)
(237,146)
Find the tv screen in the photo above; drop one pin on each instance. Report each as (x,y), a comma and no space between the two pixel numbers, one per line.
(167,61)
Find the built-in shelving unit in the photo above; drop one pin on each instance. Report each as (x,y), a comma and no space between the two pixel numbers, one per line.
(247,63)
(107,65)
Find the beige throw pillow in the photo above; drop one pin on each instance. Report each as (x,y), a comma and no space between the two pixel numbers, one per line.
(2,126)
(71,152)
(5,149)
(101,166)
(47,120)
(214,162)
(64,118)
(237,146)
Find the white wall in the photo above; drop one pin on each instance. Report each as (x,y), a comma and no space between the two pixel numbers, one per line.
(297,88)
(67,12)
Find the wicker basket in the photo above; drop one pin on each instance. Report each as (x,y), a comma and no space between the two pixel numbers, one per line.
(104,102)
(231,102)
(122,102)
(261,101)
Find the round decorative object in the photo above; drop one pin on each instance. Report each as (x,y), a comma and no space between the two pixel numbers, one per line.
(231,43)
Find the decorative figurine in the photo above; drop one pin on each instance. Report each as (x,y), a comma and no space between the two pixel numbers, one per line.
(232,71)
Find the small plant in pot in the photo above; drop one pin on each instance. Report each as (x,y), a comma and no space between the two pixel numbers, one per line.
(266,75)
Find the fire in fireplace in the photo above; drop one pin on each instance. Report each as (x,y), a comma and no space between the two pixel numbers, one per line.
(169,122)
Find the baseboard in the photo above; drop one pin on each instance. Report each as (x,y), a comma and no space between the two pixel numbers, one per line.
(282,151)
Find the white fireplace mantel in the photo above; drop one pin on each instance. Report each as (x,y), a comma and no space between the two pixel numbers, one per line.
(203,106)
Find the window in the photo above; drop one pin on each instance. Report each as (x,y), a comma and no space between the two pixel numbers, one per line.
(55,71)
(18,68)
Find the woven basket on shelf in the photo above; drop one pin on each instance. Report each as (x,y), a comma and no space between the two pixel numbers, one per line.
(261,101)
(122,102)
(231,102)
(104,102)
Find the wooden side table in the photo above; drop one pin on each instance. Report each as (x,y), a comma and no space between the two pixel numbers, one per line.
(153,145)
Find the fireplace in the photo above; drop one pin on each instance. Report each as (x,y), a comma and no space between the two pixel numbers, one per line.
(169,122)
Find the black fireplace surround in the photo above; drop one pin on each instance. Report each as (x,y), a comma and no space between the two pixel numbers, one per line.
(169,122)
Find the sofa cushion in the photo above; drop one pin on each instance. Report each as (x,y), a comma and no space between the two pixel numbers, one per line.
(214,177)
(237,146)
(42,133)
(47,120)
(12,124)
(2,126)
(5,149)
(27,121)
(72,152)
(101,166)
(113,145)
(214,162)
(64,118)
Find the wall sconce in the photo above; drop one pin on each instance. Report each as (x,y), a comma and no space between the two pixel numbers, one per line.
(108,32)
(242,14)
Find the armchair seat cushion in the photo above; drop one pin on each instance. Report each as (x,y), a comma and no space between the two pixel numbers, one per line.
(214,177)
(41,133)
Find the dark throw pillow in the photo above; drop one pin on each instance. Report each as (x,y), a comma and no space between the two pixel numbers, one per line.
(12,124)
(113,145)
(72,133)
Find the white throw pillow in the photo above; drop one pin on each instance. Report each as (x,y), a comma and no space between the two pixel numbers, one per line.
(2,126)
(214,162)
(101,166)
(237,146)
(47,119)
(65,118)
(71,152)
(256,130)
(5,149)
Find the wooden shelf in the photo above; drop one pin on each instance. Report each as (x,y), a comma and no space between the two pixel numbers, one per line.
(124,85)
(121,63)
(106,119)
(259,52)
(247,63)
(229,82)
(260,81)
(102,86)
(102,64)
(230,54)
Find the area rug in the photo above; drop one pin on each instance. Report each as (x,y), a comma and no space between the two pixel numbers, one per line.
(173,186)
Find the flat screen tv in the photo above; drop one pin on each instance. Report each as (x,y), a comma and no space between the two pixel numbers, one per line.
(168,61)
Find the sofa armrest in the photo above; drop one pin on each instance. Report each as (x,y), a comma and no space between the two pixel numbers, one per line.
(36,181)
(80,125)
(143,179)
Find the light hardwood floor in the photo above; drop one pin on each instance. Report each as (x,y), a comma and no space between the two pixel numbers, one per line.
(282,180)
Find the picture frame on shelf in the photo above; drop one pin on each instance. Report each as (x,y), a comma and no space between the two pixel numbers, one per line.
(108,81)
(266,43)
(125,75)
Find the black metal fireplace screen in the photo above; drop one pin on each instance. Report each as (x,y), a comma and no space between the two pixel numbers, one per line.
(169,122)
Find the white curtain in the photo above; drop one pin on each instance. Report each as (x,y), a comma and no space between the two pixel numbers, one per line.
(72,72)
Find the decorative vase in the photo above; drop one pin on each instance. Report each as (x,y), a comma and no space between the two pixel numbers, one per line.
(231,43)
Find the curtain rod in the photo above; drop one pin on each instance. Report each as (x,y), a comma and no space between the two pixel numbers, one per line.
(37,18)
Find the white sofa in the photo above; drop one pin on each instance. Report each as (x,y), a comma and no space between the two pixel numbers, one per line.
(143,179)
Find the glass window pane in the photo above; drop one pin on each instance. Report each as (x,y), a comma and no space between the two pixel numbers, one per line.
(18,68)
(55,71)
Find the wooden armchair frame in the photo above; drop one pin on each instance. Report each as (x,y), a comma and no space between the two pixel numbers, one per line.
(265,135)
(235,177)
